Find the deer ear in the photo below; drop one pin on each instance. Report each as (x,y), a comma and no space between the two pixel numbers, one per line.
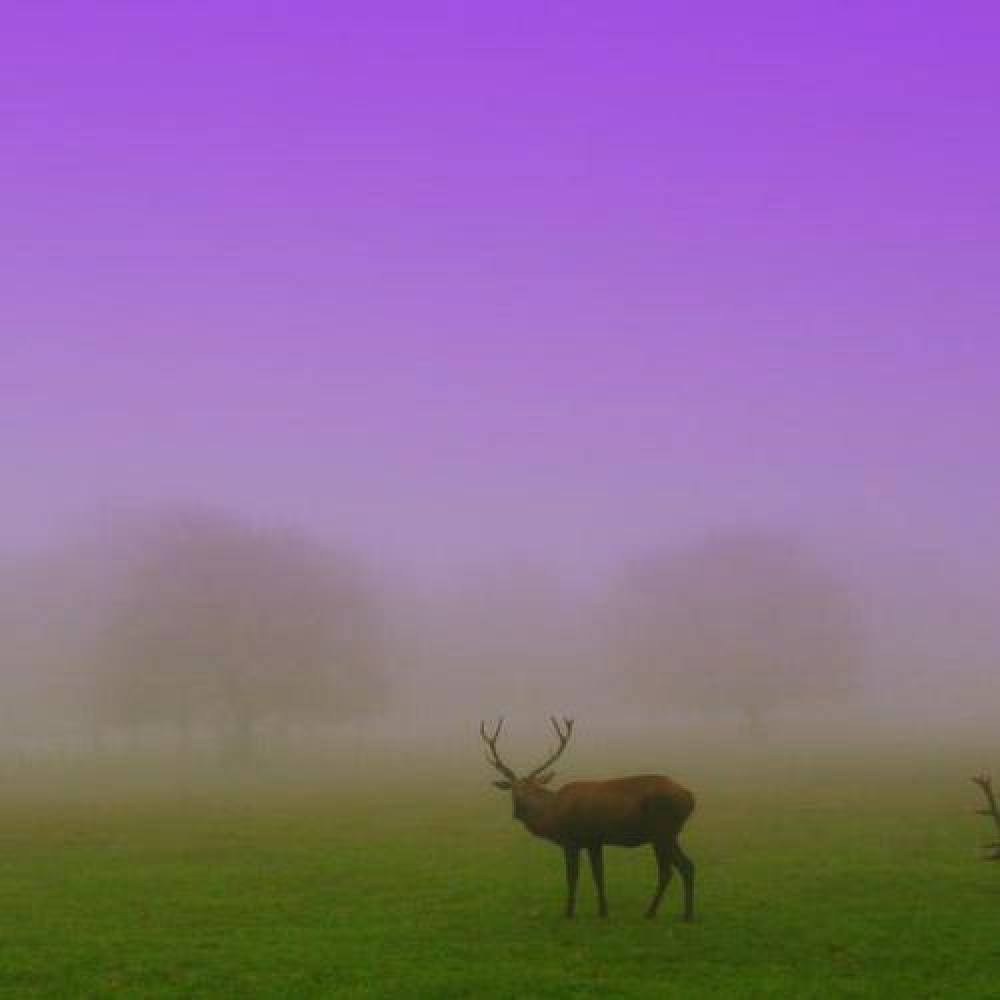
(544,779)
(502,785)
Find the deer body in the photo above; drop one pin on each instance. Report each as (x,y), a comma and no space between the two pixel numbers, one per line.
(620,812)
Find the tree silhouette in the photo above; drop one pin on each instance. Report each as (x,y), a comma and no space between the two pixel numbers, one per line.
(224,623)
(742,621)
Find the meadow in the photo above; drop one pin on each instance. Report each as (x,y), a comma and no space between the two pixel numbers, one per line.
(821,874)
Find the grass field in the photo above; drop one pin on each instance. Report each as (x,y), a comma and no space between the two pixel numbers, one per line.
(832,875)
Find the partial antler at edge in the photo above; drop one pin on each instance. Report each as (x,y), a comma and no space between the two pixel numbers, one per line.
(985,782)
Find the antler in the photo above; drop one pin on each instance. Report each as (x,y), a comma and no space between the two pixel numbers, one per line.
(985,782)
(491,754)
(563,740)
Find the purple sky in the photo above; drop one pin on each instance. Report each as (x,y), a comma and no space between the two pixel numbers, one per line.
(455,281)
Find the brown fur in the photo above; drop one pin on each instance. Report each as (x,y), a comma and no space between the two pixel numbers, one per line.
(619,812)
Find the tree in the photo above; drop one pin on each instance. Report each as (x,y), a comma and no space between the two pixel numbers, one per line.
(744,621)
(223,623)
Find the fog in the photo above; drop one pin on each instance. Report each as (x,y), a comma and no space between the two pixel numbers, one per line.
(351,368)
(194,633)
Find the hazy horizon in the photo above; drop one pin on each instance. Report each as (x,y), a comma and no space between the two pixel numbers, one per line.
(465,292)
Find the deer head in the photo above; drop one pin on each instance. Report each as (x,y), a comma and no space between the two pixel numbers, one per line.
(528,794)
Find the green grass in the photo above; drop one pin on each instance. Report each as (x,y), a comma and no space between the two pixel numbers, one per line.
(832,876)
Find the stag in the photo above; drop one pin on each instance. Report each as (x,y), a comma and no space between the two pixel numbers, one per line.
(985,782)
(621,812)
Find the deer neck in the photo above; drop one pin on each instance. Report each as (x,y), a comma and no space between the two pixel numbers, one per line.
(539,816)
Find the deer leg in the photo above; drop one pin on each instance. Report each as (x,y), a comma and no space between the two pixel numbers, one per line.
(572,855)
(596,855)
(664,854)
(686,867)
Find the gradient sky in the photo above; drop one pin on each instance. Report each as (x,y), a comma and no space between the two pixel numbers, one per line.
(454,281)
